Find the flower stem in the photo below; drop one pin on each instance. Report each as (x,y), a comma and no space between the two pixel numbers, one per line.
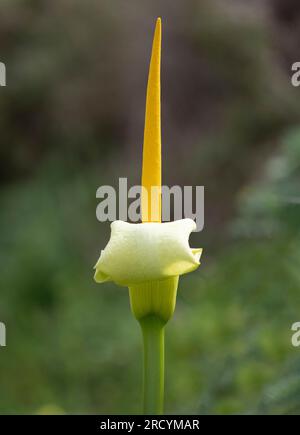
(153,338)
(152,304)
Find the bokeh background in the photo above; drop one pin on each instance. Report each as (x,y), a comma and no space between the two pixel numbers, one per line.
(71,119)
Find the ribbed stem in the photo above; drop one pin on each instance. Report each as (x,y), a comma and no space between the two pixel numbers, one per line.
(153,303)
(153,382)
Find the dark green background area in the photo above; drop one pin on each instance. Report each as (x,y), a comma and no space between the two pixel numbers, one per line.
(71,119)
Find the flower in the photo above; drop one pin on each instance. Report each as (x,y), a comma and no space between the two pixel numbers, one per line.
(138,253)
(149,257)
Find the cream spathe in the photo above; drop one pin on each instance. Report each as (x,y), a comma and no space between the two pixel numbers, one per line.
(139,253)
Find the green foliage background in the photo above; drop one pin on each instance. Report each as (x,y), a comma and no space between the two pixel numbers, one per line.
(71,120)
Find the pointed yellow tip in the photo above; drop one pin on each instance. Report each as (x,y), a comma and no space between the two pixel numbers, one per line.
(157,31)
(151,174)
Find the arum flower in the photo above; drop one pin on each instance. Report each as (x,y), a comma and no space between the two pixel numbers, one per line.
(149,257)
(138,253)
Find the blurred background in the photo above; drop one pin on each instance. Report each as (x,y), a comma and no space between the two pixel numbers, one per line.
(71,119)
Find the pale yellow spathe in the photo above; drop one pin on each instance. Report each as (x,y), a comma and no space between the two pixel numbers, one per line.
(144,252)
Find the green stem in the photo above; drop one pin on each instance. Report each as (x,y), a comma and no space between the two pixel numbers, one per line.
(153,338)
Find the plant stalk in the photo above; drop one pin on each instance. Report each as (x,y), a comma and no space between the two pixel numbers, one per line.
(153,378)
